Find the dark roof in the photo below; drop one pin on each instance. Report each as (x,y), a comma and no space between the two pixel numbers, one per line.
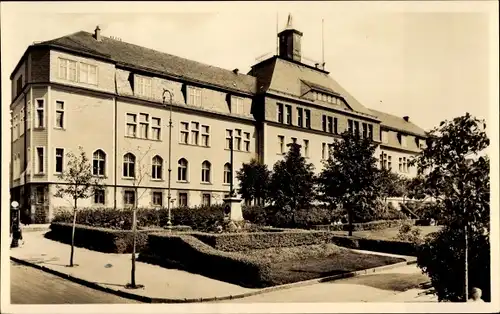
(138,57)
(398,123)
(287,77)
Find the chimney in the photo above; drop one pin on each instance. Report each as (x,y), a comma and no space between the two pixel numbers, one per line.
(97,33)
(235,71)
(406,118)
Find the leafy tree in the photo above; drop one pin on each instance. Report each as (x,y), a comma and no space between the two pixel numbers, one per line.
(350,175)
(416,188)
(292,181)
(390,184)
(459,179)
(254,178)
(78,183)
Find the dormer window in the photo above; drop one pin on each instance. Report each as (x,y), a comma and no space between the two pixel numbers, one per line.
(403,140)
(143,86)
(317,95)
(194,96)
(67,69)
(237,105)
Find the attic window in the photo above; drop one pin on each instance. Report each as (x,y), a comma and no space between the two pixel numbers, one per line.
(67,69)
(327,98)
(142,86)
(237,105)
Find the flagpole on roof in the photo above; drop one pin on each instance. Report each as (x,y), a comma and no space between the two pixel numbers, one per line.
(277,39)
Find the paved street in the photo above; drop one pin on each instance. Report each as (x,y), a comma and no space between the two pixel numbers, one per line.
(33,286)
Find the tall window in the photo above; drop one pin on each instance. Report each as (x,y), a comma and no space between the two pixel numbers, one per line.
(403,141)
(144,125)
(383,161)
(205,199)
(182,169)
(280,113)
(129,165)
(288,114)
(205,135)
(300,117)
(67,69)
(59,160)
(365,130)
(323,150)
(60,114)
(237,139)
(281,143)
(99,196)
(247,141)
(184,132)
(195,133)
(143,86)
(88,73)
(229,135)
(205,172)
(129,198)
(389,162)
(349,125)
(156,128)
(183,199)
(40,159)
(40,113)
(308,118)
(40,195)
(400,164)
(306,148)
(405,165)
(98,163)
(370,131)
(330,125)
(194,96)
(356,128)
(227,173)
(157,198)
(157,168)
(131,124)
(22,118)
(237,105)
(335,126)
(324,123)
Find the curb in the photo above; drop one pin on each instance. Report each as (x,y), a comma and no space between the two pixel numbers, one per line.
(146,299)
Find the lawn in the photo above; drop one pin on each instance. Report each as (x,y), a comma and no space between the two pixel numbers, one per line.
(387,234)
(300,263)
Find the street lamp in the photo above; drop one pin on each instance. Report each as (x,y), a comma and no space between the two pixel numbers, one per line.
(231,190)
(169,222)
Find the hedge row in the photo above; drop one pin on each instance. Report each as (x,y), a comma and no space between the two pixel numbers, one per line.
(101,239)
(232,242)
(187,253)
(385,246)
(372,225)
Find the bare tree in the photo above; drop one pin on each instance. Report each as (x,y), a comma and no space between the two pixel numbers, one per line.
(78,183)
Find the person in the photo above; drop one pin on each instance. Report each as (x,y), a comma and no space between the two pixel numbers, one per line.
(475,295)
(17,233)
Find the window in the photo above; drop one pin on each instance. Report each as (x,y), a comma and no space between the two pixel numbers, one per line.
(194,96)
(99,163)
(330,151)
(227,173)
(67,70)
(156,168)
(280,113)
(330,124)
(323,150)
(405,165)
(99,196)
(247,141)
(19,85)
(129,198)
(183,199)
(281,143)
(403,140)
(59,160)
(237,105)
(143,86)
(143,125)
(324,123)
(383,161)
(184,132)
(400,164)
(156,128)
(157,198)
(205,172)
(306,148)
(182,170)
(40,113)
(205,199)
(195,133)
(40,195)
(365,130)
(129,165)
(288,114)
(131,124)
(238,139)
(385,136)
(308,118)
(205,135)
(300,117)
(349,125)
(356,128)
(370,131)
(28,118)
(88,73)
(60,114)
(229,137)
(335,124)
(389,163)
(40,160)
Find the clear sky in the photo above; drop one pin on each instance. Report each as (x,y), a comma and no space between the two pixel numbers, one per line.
(428,61)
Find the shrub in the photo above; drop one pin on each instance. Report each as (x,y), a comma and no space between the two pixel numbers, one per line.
(408,233)
(429,211)
(388,212)
(393,247)
(372,225)
(256,214)
(287,218)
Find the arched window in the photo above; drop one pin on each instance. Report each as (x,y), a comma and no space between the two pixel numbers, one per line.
(98,163)
(129,165)
(182,170)
(205,171)
(227,173)
(157,167)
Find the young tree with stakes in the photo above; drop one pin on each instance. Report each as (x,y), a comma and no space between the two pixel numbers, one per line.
(350,175)
(78,183)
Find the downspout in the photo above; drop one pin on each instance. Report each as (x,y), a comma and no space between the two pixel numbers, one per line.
(115,144)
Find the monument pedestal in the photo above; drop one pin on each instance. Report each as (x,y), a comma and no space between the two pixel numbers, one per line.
(232,208)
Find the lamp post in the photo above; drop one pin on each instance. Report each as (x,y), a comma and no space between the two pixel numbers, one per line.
(231,190)
(165,91)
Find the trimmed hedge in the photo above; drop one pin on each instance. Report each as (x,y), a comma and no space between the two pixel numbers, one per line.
(232,242)
(372,225)
(187,253)
(101,239)
(393,247)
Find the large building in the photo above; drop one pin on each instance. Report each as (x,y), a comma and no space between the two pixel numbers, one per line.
(108,97)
